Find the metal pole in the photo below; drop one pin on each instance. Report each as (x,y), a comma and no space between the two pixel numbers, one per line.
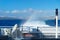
(56,23)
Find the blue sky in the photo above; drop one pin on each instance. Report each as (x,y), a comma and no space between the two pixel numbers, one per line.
(24,8)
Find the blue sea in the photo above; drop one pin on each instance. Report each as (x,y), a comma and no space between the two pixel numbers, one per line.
(12,22)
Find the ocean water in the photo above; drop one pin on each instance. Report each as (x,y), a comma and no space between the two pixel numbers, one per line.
(52,22)
(9,22)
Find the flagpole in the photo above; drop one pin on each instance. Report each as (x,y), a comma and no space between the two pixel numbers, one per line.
(56,23)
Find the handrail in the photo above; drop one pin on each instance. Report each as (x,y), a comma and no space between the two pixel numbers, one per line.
(44,32)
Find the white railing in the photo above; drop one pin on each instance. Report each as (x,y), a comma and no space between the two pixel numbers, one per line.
(48,32)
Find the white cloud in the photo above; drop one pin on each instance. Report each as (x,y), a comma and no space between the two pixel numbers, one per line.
(24,11)
(29,10)
(15,11)
(7,11)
